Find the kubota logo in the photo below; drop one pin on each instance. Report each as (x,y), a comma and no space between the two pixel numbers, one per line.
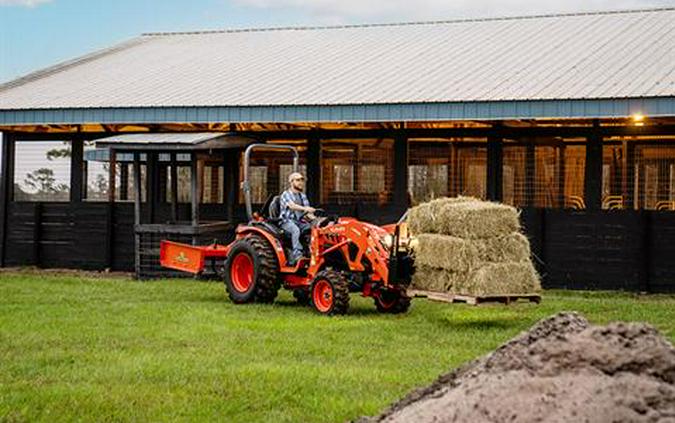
(182,258)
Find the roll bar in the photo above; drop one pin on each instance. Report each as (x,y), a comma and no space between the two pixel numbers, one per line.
(246,185)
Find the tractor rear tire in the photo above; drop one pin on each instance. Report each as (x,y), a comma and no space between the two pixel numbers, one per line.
(392,302)
(251,271)
(330,293)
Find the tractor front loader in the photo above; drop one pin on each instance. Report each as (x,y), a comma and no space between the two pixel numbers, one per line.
(343,255)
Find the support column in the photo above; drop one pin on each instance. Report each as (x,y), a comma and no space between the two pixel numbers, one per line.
(195,188)
(628,175)
(560,169)
(530,172)
(314,170)
(124,182)
(593,171)
(231,182)
(400,196)
(174,188)
(6,189)
(495,168)
(137,212)
(150,185)
(77,187)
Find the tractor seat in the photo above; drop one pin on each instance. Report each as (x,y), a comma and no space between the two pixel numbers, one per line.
(274,210)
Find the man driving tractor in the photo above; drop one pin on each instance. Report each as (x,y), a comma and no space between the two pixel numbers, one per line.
(296,213)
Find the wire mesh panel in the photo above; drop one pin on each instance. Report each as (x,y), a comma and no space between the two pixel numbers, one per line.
(574,179)
(357,171)
(446,167)
(428,170)
(638,173)
(655,177)
(514,174)
(470,176)
(544,174)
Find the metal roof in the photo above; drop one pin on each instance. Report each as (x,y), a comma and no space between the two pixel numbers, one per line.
(587,64)
(174,141)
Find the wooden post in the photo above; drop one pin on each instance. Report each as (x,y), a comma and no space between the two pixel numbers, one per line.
(453,171)
(495,167)
(6,189)
(174,188)
(150,185)
(195,188)
(560,169)
(137,212)
(313,170)
(628,175)
(112,167)
(124,182)
(77,187)
(400,196)
(231,182)
(593,171)
(530,172)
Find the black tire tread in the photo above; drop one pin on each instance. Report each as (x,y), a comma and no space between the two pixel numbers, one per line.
(340,286)
(401,306)
(267,283)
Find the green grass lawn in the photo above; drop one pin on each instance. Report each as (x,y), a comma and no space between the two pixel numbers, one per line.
(77,348)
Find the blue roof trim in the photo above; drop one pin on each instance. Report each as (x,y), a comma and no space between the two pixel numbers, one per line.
(494,110)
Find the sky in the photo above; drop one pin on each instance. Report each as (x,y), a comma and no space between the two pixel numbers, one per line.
(38,33)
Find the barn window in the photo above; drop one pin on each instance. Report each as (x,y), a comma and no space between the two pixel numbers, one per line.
(439,167)
(357,171)
(545,173)
(638,173)
(42,171)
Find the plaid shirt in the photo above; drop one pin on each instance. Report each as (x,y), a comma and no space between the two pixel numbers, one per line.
(298,198)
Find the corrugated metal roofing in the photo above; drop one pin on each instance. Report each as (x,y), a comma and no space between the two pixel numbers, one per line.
(190,138)
(175,141)
(592,56)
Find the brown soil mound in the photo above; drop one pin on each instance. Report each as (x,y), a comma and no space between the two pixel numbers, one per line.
(561,370)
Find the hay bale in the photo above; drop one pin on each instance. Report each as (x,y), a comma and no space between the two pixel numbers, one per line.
(458,254)
(487,279)
(463,217)
(501,278)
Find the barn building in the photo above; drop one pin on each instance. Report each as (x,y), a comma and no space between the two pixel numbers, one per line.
(569,117)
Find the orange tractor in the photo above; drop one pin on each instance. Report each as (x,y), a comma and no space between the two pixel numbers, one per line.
(343,255)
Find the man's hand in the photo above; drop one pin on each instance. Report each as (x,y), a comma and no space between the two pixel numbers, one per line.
(310,210)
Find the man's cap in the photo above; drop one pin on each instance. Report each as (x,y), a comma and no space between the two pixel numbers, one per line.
(295,175)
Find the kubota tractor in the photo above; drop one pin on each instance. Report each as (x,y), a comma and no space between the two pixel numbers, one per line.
(342,255)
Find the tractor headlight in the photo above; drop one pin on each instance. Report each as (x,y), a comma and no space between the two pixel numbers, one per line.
(388,241)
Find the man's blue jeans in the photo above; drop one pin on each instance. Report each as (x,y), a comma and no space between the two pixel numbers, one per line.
(295,229)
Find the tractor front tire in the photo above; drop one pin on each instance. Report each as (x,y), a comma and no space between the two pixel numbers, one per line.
(251,271)
(330,293)
(392,302)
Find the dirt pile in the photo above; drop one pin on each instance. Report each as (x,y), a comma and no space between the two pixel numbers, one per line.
(468,246)
(561,370)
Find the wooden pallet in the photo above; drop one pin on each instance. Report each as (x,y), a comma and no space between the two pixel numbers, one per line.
(473,299)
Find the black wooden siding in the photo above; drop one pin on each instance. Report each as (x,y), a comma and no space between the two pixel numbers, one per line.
(629,250)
